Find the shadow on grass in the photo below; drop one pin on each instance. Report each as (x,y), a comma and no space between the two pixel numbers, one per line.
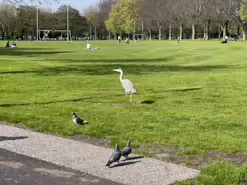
(94,69)
(51,102)
(4,138)
(105,60)
(124,164)
(29,51)
(185,89)
(149,102)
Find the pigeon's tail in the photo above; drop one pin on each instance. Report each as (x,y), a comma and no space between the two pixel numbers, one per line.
(109,163)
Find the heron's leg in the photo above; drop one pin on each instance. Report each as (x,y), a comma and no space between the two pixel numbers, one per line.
(131,98)
(126,97)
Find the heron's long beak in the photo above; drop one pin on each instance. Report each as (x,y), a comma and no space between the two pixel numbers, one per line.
(114,70)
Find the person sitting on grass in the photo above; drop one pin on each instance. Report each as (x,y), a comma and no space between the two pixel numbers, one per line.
(13,45)
(7,45)
(225,41)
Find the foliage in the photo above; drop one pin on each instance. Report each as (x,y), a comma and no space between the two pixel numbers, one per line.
(122,16)
(220,173)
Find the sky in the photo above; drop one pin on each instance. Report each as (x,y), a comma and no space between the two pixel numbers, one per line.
(77,4)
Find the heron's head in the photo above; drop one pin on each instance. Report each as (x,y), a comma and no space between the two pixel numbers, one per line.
(118,70)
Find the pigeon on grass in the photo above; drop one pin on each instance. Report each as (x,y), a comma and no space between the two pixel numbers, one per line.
(78,120)
(127,150)
(115,157)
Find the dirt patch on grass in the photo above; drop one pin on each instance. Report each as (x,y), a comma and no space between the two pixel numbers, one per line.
(90,140)
(173,155)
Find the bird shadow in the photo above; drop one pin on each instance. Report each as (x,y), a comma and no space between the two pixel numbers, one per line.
(4,138)
(149,102)
(133,158)
(185,90)
(124,164)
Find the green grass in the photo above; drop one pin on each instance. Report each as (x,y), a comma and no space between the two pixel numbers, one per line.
(220,173)
(192,95)
(198,89)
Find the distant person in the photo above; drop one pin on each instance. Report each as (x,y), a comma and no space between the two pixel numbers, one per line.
(89,46)
(225,41)
(7,45)
(127,40)
(13,45)
(178,39)
(119,39)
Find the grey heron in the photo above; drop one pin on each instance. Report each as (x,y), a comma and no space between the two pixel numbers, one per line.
(127,85)
(78,120)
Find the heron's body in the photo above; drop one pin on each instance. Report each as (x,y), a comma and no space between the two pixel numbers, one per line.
(127,84)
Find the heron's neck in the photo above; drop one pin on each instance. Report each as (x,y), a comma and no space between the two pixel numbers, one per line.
(121,76)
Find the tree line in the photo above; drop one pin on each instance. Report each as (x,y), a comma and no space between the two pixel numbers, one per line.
(168,19)
(20,21)
(154,19)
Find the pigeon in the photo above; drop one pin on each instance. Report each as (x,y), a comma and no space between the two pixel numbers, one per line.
(127,150)
(116,155)
(78,120)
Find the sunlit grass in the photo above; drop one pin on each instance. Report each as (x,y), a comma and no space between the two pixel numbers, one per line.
(191,95)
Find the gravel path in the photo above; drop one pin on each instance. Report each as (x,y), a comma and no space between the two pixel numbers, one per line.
(91,159)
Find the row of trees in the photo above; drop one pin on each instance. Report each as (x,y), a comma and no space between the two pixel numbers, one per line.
(162,19)
(20,21)
(171,18)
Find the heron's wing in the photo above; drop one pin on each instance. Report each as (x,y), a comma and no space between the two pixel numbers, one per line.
(128,86)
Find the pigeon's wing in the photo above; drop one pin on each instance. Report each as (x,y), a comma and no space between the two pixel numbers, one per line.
(116,156)
(79,120)
(126,151)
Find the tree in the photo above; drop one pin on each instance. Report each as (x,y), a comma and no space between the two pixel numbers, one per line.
(243,17)
(7,20)
(122,16)
(77,23)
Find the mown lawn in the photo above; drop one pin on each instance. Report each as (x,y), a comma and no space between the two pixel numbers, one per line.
(191,95)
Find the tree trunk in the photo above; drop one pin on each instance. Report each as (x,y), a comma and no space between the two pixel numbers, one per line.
(160,33)
(109,36)
(150,34)
(205,33)
(244,33)
(225,29)
(219,36)
(181,31)
(170,31)
(206,30)
(193,31)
